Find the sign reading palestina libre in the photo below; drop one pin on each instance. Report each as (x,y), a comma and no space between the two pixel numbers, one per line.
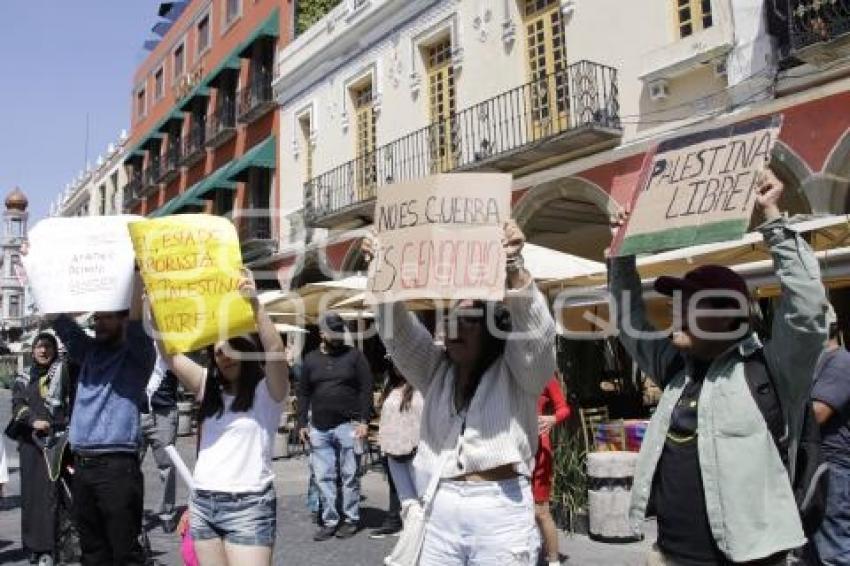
(440,238)
(191,266)
(699,188)
(80,264)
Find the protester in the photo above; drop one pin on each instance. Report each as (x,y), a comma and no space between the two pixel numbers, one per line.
(234,506)
(159,429)
(336,389)
(552,410)
(41,407)
(105,435)
(709,461)
(398,436)
(831,402)
(479,421)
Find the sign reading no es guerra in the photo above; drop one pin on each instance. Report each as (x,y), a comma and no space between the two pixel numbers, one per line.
(439,237)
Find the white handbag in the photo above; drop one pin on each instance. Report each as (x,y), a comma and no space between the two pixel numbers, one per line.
(409,546)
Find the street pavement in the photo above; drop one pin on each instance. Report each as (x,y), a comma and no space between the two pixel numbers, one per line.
(295,545)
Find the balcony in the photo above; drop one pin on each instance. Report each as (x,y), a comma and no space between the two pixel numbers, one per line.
(820,30)
(150,178)
(171,163)
(132,190)
(256,99)
(194,148)
(562,116)
(255,236)
(221,126)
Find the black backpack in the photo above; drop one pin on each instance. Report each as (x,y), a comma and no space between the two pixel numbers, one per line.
(810,477)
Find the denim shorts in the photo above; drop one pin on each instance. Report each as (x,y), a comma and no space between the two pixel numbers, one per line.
(239,518)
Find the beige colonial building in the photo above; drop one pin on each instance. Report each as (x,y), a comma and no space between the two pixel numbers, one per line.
(98,191)
(567,95)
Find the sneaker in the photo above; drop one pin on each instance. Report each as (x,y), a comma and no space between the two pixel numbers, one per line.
(385,530)
(347,530)
(45,560)
(324,533)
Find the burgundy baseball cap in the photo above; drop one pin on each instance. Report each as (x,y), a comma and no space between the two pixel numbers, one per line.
(703,278)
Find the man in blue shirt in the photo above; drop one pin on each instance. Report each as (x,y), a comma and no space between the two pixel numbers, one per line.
(105,433)
(831,402)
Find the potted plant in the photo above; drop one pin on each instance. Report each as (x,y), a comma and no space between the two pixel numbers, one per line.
(569,489)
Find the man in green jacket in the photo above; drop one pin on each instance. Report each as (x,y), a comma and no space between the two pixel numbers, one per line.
(709,465)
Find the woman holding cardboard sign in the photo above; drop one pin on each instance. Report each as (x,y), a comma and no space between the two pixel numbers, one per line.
(479,420)
(233,507)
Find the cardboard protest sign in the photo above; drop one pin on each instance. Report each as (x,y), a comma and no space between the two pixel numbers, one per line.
(440,237)
(191,265)
(699,188)
(80,264)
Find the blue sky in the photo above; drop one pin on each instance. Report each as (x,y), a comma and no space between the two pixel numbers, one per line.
(61,60)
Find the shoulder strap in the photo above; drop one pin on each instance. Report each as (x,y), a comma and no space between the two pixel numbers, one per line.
(763,389)
(445,454)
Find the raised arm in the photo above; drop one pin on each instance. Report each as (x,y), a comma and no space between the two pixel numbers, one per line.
(191,374)
(653,355)
(799,325)
(530,347)
(277,370)
(406,340)
(77,342)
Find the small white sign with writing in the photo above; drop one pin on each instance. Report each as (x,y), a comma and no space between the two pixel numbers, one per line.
(81,264)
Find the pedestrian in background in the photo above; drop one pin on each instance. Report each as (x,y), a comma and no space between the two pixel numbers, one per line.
(159,429)
(479,419)
(40,407)
(105,434)
(831,403)
(398,436)
(336,390)
(552,410)
(233,510)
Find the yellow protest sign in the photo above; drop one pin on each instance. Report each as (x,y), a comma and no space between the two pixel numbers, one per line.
(191,264)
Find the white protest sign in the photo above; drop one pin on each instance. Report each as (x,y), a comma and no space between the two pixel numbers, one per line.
(81,264)
(699,188)
(440,238)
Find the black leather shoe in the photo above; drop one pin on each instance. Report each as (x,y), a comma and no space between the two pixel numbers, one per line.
(324,533)
(347,530)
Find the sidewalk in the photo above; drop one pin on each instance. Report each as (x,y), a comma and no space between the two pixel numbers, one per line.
(295,544)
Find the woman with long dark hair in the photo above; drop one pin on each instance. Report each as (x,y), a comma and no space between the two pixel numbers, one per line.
(398,436)
(40,409)
(479,420)
(233,507)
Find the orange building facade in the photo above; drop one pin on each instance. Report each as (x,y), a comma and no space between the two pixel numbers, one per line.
(204,121)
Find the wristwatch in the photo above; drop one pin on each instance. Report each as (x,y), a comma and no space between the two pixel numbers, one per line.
(515,264)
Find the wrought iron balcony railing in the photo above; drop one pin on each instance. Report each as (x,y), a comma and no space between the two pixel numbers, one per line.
(222,123)
(132,190)
(152,172)
(569,111)
(171,163)
(818,21)
(194,148)
(257,98)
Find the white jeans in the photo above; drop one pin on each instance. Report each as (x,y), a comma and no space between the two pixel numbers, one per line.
(481,524)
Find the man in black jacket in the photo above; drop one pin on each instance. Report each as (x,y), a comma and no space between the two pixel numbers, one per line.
(336,389)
